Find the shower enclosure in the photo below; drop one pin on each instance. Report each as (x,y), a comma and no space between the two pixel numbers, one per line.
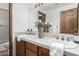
(4,26)
(4,31)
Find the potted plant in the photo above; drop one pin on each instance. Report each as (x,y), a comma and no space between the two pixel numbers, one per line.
(47,26)
(40,26)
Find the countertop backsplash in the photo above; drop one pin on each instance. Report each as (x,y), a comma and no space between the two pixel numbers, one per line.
(64,37)
(68,37)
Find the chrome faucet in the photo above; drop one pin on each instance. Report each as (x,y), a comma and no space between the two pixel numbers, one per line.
(62,38)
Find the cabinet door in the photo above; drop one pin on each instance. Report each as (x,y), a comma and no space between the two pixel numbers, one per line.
(23,48)
(31,47)
(17,48)
(43,51)
(30,53)
(20,48)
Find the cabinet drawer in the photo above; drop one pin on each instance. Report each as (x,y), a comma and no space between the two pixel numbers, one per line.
(31,47)
(30,53)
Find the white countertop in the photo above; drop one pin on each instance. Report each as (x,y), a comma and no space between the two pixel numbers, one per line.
(45,42)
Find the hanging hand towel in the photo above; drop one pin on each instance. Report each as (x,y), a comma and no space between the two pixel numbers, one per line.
(56,49)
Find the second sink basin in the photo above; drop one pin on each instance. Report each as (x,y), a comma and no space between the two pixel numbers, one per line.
(67,44)
(70,46)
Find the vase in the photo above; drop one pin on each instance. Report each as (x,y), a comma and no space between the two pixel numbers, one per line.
(41,32)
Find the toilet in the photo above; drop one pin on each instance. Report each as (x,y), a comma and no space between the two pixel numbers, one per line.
(4,49)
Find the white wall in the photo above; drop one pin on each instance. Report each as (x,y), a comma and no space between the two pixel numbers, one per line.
(24,17)
(53,16)
(33,16)
(20,19)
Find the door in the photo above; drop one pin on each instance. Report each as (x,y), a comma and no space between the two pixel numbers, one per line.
(6,24)
(71,17)
(68,21)
(63,26)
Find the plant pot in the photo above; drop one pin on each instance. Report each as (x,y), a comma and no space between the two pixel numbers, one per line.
(41,32)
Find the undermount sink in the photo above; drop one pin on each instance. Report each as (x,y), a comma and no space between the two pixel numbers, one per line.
(67,44)
(70,46)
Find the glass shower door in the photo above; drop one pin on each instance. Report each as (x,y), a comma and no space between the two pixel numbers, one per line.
(4,26)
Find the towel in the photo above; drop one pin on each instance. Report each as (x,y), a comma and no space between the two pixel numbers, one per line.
(19,37)
(56,49)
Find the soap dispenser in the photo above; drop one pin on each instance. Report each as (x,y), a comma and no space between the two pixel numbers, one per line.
(30,31)
(27,31)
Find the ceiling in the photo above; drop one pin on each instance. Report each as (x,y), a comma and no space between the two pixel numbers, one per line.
(49,6)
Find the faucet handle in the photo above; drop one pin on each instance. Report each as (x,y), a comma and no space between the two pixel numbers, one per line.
(62,38)
(68,39)
(57,37)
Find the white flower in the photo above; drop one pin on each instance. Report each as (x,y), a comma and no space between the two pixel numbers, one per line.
(39,21)
(45,22)
(42,23)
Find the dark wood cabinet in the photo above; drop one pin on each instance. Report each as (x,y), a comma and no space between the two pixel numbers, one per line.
(30,53)
(68,21)
(31,49)
(43,51)
(24,48)
(20,48)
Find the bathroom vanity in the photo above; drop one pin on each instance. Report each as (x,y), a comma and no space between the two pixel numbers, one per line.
(27,48)
(31,45)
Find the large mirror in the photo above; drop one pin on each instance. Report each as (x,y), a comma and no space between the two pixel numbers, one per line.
(62,16)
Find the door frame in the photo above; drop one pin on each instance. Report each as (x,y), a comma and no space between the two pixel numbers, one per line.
(10,30)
